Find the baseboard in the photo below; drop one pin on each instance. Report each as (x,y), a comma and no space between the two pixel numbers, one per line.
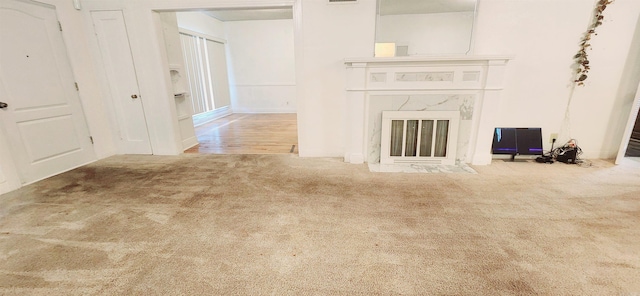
(189,142)
(203,118)
(266,111)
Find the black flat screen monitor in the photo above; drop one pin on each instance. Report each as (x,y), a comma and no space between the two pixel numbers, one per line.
(517,141)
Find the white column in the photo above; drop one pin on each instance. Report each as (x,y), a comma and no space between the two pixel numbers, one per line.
(488,111)
(354,125)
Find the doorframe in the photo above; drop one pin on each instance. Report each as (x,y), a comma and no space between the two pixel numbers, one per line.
(111,99)
(626,136)
(9,177)
(150,56)
(295,5)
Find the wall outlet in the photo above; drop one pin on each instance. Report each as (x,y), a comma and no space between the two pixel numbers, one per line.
(553,137)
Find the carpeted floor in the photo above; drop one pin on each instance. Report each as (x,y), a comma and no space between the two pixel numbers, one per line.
(281,225)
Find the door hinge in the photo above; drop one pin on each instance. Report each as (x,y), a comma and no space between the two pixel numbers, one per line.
(76,84)
(91,139)
(60,26)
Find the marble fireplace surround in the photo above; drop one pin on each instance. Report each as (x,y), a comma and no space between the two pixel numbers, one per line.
(470,84)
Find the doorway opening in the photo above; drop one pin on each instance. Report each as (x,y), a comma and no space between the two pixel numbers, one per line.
(233,75)
(633,150)
(248,133)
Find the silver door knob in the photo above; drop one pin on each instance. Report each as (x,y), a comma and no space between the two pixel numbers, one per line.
(3,105)
(134,96)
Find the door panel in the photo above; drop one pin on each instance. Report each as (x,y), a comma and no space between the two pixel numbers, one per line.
(44,121)
(123,84)
(45,137)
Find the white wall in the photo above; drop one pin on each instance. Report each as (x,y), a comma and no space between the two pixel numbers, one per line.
(450,31)
(261,66)
(330,33)
(543,35)
(201,23)
(184,109)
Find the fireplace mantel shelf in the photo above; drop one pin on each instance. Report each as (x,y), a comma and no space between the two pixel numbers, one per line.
(429,59)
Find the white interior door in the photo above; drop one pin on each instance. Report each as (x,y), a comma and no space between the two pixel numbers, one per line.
(123,83)
(43,118)
(629,129)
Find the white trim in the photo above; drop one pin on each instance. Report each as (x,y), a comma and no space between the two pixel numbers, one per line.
(415,60)
(266,111)
(342,2)
(626,136)
(250,85)
(194,5)
(198,34)
(205,117)
(189,142)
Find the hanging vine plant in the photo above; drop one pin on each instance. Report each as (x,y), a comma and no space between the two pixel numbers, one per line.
(582,58)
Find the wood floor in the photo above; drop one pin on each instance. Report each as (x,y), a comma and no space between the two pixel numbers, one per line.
(248,134)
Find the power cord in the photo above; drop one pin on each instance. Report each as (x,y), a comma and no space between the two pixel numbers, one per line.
(548,156)
(568,153)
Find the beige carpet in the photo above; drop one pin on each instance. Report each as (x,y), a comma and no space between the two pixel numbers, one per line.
(280,225)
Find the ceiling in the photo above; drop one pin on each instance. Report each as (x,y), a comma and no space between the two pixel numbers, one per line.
(251,14)
(390,7)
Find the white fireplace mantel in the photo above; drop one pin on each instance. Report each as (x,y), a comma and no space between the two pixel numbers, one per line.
(480,77)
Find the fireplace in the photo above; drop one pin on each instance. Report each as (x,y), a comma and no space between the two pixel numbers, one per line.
(469,86)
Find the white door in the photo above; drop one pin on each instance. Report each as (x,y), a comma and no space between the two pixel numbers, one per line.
(633,114)
(43,119)
(123,83)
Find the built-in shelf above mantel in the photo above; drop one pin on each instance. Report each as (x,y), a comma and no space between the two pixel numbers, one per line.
(470,84)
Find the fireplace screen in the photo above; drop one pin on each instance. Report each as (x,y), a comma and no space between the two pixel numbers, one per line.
(432,138)
(420,137)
